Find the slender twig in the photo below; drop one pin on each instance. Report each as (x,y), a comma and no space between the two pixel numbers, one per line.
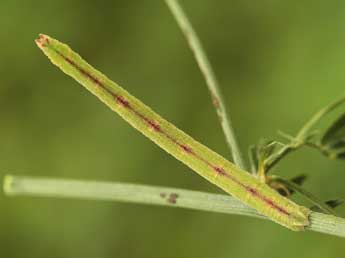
(91,190)
(274,159)
(300,138)
(317,116)
(210,78)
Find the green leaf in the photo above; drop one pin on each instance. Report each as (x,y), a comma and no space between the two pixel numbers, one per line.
(332,143)
(335,203)
(300,179)
(331,203)
(335,133)
(335,153)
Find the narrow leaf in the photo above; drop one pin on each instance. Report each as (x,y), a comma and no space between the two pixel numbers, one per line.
(331,203)
(299,180)
(335,203)
(335,133)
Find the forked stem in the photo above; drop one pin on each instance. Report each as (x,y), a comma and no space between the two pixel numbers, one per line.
(317,117)
(300,138)
(91,190)
(210,78)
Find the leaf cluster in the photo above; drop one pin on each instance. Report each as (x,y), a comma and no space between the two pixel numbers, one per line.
(331,142)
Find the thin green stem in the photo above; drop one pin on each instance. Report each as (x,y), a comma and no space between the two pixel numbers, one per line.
(274,159)
(210,78)
(317,116)
(300,140)
(91,190)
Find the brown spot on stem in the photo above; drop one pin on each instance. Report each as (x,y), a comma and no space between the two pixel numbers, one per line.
(173,198)
(163,195)
(215,102)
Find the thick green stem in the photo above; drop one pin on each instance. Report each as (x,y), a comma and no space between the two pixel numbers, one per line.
(90,190)
(210,78)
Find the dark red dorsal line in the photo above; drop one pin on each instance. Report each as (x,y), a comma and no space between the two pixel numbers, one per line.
(187,149)
(122,101)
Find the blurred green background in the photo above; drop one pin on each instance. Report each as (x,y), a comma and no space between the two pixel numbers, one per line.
(277,61)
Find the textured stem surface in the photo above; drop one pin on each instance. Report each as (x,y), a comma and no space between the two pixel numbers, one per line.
(210,78)
(91,190)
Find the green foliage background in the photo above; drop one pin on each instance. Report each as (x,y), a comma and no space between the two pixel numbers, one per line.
(277,61)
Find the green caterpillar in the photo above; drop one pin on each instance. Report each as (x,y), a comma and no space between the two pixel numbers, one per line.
(198,157)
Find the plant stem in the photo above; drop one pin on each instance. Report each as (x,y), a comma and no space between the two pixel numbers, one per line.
(300,140)
(317,116)
(92,190)
(273,160)
(210,78)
